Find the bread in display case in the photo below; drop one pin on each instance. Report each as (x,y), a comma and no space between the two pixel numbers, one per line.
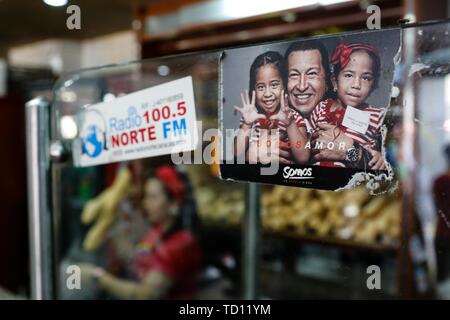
(347,215)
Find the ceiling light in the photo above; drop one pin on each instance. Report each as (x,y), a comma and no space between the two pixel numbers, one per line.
(56,3)
(241,9)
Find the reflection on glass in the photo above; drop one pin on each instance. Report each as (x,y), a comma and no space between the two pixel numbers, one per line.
(314,244)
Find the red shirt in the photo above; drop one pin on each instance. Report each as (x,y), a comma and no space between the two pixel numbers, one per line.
(178,256)
(322,114)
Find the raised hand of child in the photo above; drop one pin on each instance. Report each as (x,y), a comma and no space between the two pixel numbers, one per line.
(267,149)
(284,114)
(377,161)
(248,111)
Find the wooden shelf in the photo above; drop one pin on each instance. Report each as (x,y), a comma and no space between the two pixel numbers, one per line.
(289,285)
(232,23)
(289,235)
(332,241)
(263,28)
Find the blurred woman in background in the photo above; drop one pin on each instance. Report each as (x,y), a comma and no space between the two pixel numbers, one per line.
(167,261)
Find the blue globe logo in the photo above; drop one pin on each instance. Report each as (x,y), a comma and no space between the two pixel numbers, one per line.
(92,144)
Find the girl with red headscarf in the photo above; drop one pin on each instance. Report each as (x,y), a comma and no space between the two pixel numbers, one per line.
(356,71)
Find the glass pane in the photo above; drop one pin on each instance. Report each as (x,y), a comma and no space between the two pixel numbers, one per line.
(431,73)
(315,244)
(328,245)
(113,240)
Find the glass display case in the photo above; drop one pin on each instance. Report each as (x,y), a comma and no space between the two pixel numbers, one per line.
(258,241)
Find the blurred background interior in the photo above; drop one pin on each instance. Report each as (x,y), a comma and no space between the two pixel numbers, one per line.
(313,244)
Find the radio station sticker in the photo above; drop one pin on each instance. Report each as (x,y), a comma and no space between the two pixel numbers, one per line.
(152,122)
